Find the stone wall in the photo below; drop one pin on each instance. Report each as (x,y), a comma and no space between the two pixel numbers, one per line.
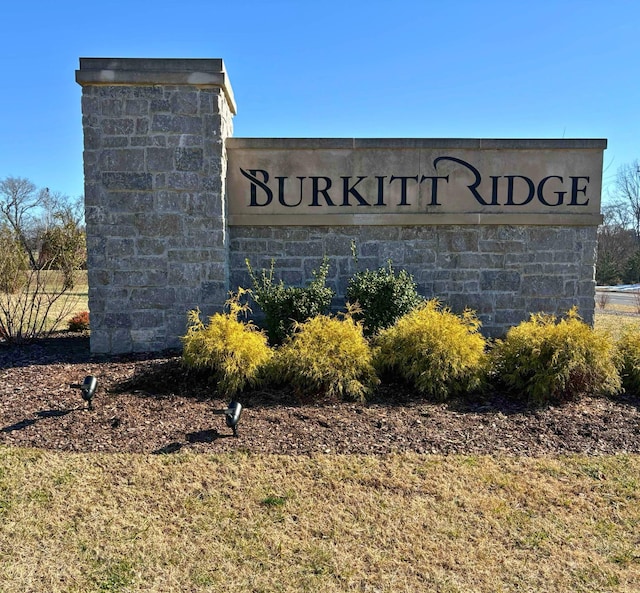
(503,272)
(155,169)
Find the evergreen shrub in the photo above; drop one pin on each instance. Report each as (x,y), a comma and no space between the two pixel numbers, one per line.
(550,359)
(232,351)
(383,296)
(436,351)
(327,357)
(284,306)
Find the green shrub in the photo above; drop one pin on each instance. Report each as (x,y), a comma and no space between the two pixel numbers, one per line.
(628,350)
(79,322)
(327,356)
(433,349)
(284,306)
(232,351)
(548,359)
(383,296)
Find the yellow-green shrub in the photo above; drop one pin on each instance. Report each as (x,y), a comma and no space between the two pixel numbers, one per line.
(327,356)
(628,350)
(233,351)
(438,352)
(547,359)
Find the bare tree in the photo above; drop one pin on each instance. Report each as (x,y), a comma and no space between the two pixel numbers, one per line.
(19,199)
(616,242)
(626,188)
(42,242)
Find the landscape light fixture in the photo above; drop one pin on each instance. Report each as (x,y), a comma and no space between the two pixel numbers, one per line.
(87,389)
(232,416)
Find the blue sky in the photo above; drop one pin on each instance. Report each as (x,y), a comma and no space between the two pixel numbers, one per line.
(430,69)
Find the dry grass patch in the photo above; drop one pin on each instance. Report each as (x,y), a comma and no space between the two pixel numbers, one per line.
(242,522)
(616,323)
(43,305)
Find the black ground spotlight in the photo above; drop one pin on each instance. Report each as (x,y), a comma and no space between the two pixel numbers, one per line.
(88,390)
(232,416)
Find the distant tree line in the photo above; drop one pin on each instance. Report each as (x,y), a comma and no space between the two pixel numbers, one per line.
(619,235)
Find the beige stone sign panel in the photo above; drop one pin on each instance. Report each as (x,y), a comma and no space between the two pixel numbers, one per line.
(413,181)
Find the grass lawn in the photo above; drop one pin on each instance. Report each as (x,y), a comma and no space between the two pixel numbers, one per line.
(241,522)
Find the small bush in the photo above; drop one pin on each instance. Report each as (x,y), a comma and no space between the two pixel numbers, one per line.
(79,322)
(284,306)
(383,296)
(232,351)
(549,359)
(433,349)
(628,350)
(327,356)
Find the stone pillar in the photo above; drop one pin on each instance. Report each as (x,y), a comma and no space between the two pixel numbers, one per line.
(155,170)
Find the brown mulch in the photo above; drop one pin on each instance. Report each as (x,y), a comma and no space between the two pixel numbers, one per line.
(147,403)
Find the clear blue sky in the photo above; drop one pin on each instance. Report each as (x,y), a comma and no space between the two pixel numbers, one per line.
(361,68)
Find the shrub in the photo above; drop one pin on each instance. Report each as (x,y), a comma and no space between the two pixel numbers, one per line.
(234,352)
(327,356)
(436,351)
(14,263)
(383,296)
(549,359)
(79,322)
(628,350)
(284,306)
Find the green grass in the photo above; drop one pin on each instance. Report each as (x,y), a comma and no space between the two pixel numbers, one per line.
(240,522)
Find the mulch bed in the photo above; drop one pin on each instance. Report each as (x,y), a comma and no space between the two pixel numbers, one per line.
(148,403)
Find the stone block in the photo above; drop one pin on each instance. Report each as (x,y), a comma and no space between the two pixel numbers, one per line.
(176,124)
(308,248)
(136,106)
(158,225)
(184,180)
(118,247)
(99,340)
(114,321)
(550,286)
(458,241)
(188,159)
(117,126)
(500,281)
(112,107)
(126,181)
(185,102)
(115,141)
(152,297)
(122,159)
(159,159)
(121,341)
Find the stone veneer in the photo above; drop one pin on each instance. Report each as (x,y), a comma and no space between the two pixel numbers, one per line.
(159,241)
(155,168)
(503,272)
